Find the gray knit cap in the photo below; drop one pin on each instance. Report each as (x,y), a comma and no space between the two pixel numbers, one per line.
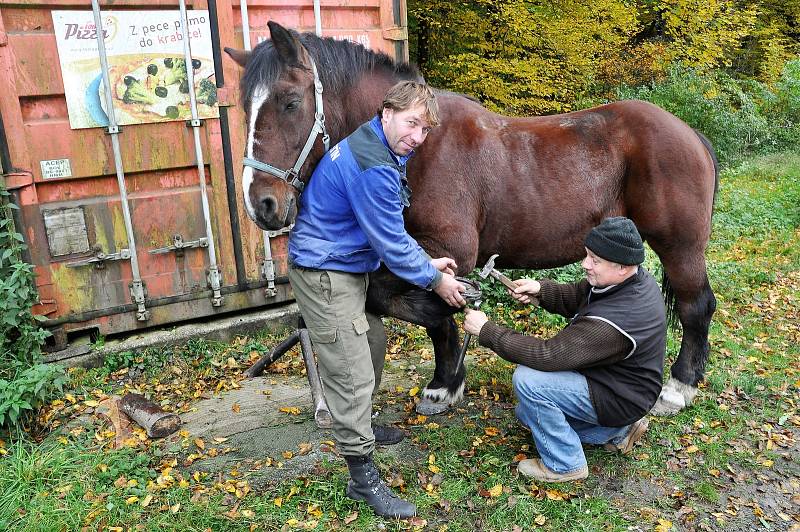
(616,239)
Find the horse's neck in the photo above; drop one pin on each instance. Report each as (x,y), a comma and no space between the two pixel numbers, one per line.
(358,105)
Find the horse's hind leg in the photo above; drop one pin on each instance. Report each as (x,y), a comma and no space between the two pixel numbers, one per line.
(695,304)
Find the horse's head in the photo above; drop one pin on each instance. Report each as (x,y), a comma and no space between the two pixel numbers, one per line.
(283,100)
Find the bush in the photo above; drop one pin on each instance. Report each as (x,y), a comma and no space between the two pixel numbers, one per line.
(741,118)
(25,383)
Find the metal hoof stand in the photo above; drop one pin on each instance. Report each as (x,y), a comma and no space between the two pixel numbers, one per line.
(322,415)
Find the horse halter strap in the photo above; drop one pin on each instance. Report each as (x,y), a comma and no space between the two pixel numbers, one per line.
(291,175)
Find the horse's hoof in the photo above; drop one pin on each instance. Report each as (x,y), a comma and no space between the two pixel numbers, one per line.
(668,405)
(426,407)
(674,397)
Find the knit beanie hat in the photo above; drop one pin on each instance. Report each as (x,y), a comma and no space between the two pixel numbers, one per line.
(616,239)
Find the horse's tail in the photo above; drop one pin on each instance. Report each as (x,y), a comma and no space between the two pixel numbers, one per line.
(669,301)
(713,154)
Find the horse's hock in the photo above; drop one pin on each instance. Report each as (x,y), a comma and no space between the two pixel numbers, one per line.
(103,269)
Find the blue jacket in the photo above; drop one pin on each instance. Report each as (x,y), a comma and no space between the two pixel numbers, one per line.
(351,212)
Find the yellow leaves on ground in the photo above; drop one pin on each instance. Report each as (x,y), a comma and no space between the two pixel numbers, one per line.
(663,525)
(292,410)
(413,391)
(540,520)
(236,408)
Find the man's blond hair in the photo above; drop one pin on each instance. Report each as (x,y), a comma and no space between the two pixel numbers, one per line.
(407,94)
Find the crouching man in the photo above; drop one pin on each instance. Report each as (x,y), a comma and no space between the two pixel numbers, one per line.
(596,379)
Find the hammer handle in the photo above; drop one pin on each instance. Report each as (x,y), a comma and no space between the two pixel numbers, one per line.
(503,279)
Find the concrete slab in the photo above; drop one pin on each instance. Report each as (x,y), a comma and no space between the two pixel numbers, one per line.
(222,329)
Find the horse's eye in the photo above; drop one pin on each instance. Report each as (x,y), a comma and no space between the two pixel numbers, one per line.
(291,106)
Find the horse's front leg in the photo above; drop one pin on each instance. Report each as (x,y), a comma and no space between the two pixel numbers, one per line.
(390,296)
(447,385)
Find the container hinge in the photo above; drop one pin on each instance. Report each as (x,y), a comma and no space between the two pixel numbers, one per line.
(215,282)
(138,295)
(100,258)
(179,245)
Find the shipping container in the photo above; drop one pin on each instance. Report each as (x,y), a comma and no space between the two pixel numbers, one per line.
(79,207)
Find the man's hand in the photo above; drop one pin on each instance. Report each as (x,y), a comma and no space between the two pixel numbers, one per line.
(526,290)
(450,290)
(474,320)
(445,265)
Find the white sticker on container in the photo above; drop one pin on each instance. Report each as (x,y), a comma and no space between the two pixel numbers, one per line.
(55,168)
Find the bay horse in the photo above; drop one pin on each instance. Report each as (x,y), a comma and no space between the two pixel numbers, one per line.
(527,188)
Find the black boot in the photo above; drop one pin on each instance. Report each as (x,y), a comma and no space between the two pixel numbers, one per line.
(386,435)
(366,485)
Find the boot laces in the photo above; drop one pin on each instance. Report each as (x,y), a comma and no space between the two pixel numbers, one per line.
(378,487)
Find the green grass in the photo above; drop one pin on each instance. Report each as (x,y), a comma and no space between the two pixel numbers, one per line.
(70,480)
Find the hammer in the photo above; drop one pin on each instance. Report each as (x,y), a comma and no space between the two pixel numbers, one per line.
(488,270)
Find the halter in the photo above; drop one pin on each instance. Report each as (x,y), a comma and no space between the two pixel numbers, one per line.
(290,176)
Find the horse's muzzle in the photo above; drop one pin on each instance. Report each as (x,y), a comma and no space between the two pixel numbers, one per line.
(272,215)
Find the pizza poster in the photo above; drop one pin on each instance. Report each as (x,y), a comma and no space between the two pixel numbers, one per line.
(147,71)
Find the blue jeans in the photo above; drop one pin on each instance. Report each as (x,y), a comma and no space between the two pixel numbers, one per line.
(556,407)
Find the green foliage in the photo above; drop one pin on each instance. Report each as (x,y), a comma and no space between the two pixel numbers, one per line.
(740,117)
(522,57)
(25,384)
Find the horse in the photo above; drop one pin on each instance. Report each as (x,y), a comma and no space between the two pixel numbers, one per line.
(528,189)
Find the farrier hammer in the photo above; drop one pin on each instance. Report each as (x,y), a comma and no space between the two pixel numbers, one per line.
(488,270)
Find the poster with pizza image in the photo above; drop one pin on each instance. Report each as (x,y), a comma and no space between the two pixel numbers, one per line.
(148,75)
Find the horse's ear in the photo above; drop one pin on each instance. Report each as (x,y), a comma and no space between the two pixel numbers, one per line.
(285,43)
(241,57)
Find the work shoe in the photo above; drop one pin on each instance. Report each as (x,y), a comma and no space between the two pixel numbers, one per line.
(366,485)
(533,467)
(635,433)
(385,435)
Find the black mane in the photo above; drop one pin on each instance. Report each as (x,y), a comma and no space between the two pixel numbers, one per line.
(339,63)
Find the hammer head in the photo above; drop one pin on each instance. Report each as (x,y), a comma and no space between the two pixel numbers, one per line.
(487,269)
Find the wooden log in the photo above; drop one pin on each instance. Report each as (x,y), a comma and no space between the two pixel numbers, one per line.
(148,415)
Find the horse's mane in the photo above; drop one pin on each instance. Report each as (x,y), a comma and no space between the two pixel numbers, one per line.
(340,64)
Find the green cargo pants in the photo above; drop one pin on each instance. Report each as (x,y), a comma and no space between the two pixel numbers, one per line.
(350,346)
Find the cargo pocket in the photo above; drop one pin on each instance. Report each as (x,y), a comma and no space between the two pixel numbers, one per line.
(323,335)
(361,325)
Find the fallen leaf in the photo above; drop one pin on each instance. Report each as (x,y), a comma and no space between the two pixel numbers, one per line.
(293,410)
(235,408)
(350,518)
(200,443)
(540,520)
(496,490)
(413,391)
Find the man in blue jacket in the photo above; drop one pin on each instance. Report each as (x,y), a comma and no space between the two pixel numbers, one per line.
(349,221)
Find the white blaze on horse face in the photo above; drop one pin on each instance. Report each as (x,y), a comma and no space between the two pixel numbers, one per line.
(259,97)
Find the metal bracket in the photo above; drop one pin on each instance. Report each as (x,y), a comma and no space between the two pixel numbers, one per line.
(113,129)
(215,282)
(268,273)
(179,246)
(194,122)
(138,295)
(100,258)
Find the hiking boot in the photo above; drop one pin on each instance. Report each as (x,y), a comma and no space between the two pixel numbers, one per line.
(533,467)
(635,433)
(385,435)
(366,485)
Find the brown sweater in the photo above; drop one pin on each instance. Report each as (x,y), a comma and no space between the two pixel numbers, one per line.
(583,344)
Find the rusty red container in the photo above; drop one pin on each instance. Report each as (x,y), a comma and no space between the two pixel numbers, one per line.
(65,181)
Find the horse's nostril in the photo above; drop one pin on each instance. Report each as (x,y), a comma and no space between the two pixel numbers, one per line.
(268,207)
